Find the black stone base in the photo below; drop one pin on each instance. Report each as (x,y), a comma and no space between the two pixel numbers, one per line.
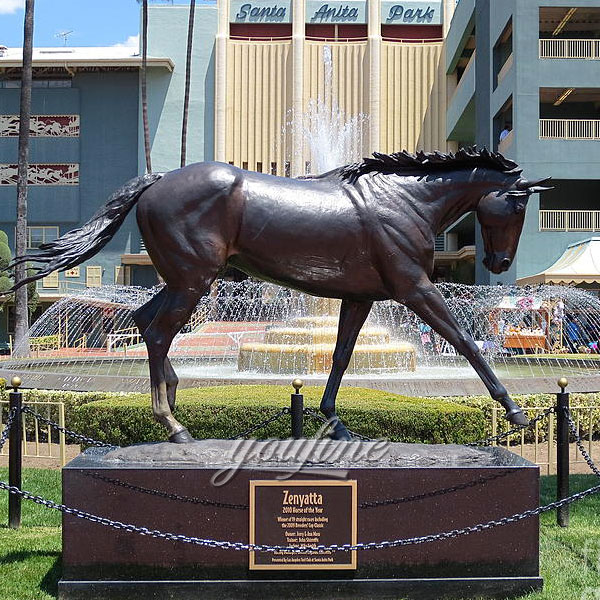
(427,488)
(356,589)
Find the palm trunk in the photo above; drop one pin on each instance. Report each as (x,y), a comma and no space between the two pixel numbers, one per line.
(21,309)
(144,94)
(188,74)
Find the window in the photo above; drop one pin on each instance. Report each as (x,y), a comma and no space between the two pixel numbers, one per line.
(36,236)
(51,281)
(93,276)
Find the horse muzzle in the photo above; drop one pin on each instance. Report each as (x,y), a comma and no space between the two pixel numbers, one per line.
(496,264)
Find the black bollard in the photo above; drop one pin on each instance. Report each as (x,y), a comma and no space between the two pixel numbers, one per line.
(562,451)
(297,410)
(15,454)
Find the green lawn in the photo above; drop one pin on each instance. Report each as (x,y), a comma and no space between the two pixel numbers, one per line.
(30,557)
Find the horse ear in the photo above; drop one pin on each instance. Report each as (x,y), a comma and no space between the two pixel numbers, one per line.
(534,187)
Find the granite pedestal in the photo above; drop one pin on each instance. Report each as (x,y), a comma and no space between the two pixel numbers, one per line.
(425,489)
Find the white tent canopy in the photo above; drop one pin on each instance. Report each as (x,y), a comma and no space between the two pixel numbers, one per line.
(580,263)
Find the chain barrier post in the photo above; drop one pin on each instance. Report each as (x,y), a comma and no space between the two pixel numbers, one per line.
(15,454)
(297,409)
(562,451)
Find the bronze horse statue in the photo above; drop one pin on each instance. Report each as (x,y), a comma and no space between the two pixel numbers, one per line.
(361,233)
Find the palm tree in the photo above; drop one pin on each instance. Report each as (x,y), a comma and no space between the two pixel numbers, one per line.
(21,309)
(188,73)
(144,93)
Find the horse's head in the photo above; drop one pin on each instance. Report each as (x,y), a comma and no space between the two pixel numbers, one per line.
(501,214)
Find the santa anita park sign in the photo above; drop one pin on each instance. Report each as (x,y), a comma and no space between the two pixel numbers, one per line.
(335,11)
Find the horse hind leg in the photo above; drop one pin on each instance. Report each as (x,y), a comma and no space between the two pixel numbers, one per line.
(352,317)
(142,317)
(176,308)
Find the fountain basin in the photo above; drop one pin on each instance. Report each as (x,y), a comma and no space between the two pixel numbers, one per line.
(318,358)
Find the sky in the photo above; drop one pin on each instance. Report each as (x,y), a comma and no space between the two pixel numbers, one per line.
(92,22)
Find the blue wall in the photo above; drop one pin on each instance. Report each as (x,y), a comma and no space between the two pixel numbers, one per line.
(167,37)
(106,151)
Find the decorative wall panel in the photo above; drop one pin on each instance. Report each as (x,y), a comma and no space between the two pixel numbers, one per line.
(42,126)
(42,174)
(413,97)
(258,101)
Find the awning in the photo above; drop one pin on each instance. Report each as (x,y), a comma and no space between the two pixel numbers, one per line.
(519,303)
(580,263)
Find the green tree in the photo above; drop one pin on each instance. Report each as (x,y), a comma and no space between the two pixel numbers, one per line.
(5,256)
(6,281)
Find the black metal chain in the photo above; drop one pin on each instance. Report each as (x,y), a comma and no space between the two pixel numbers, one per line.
(167,495)
(8,424)
(311,412)
(435,493)
(579,443)
(78,436)
(454,533)
(497,438)
(224,544)
(278,415)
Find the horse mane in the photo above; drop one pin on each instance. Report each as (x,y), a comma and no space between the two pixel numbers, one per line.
(397,162)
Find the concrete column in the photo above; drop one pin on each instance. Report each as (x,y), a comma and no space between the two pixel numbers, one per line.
(221,79)
(374,87)
(298,36)
(483,117)
(449,7)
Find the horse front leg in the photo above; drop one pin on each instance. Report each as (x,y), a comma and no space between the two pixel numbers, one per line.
(427,302)
(352,317)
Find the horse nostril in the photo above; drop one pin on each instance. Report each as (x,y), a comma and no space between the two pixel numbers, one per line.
(505,264)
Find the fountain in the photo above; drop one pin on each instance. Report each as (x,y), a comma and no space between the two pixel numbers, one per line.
(331,137)
(305,345)
(89,341)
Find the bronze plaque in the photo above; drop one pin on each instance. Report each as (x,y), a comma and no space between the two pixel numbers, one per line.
(300,513)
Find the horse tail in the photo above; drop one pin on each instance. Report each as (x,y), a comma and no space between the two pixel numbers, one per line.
(76,246)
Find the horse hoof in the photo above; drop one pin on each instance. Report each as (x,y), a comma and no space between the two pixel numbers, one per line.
(181,437)
(340,433)
(517,417)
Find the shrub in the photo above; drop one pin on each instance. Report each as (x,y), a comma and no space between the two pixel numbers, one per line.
(225,411)
(72,400)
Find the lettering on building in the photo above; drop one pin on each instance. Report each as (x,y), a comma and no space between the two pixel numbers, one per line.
(332,14)
(261,14)
(398,13)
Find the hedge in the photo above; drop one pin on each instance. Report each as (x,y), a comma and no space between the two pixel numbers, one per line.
(72,401)
(225,411)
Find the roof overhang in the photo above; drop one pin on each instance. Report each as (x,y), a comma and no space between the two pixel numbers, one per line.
(580,263)
(82,58)
(464,253)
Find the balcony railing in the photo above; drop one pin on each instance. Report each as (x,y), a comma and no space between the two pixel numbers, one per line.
(570,129)
(582,49)
(569,220)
